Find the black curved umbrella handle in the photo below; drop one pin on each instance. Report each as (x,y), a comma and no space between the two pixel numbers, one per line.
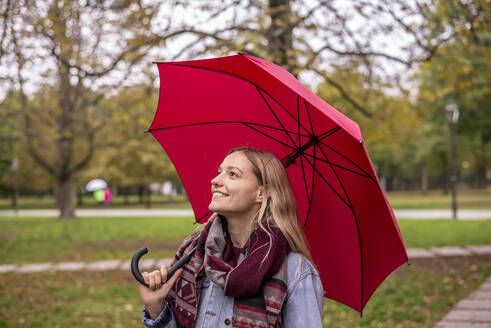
(142,251)
(134,265)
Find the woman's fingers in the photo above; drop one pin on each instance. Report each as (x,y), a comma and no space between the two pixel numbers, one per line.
(173,279)
(163,273)
(151,281)
(145,277)
(157,278)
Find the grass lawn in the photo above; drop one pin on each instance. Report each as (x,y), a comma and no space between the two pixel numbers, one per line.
(439,233)
(435,199)
(47,202)
(413,296)
(36,239)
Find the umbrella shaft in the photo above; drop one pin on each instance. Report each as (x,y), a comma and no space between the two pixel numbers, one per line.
(290,159)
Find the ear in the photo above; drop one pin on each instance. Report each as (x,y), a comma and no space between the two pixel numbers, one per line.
(260,194)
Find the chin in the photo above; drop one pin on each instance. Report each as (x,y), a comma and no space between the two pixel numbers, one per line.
(212,207)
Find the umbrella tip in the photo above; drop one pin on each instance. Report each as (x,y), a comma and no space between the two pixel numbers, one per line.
(146,131)
(408,262)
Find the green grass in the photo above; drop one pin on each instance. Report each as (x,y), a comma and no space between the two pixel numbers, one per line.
(438,233)
(413,296)
(37,239)
(48,202)
(435,199)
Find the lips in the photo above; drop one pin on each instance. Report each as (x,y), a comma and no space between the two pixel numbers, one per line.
(219,194)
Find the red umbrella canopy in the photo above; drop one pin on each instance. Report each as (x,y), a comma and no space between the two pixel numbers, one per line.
(207,107)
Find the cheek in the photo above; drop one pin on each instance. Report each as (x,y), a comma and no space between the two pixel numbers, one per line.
(245,196)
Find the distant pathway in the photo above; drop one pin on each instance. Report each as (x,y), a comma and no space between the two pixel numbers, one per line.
(400,214)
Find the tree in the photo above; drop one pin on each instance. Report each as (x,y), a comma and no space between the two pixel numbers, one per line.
(83,47)
(313,39)
(137,158)
(460,72)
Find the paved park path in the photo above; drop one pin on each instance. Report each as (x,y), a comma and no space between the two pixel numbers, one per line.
(471,312)
(400,214)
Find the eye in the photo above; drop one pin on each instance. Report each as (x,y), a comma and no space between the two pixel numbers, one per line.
(233,174)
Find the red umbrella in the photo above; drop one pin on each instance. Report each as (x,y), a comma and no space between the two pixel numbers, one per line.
(206,107)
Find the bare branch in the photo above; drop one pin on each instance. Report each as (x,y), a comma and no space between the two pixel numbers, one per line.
(343,93)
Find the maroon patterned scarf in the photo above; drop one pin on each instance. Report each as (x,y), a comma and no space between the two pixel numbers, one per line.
(256,282)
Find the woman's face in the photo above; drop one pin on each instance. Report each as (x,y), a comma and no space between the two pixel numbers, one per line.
(235,190)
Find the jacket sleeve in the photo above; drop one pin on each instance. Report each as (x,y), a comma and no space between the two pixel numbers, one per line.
(304,305)
(165,319)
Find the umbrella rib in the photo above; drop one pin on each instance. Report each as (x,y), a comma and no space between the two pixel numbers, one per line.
(328,133)
(325,180)
(301,159)
(337,177)
(308,115)
(325,135)
(292,157)
(312,188)
(298,120)
(357,230)
(266,135)
(274,114)
(238,77)
(221,122)
(337,165)
(349,160)
(305,182)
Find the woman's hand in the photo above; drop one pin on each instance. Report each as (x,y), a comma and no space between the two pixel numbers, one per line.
(154,296)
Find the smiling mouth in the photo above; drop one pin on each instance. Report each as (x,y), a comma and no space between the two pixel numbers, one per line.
(218,194)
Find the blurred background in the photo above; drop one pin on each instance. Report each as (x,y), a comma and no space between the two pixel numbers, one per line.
(78,88)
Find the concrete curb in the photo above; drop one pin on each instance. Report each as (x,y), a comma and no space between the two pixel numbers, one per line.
(149,264)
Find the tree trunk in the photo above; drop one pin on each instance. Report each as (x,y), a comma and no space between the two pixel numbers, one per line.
(141,191)
(125,196)
(149,197)
(65,199)
(424,177)
(279,34)
(80,200)
(481,177)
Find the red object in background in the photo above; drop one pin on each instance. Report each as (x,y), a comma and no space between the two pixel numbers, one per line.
(206,107)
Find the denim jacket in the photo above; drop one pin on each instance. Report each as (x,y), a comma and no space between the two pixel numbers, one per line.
(302,307)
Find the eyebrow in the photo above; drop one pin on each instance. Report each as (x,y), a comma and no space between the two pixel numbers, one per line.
(231,167)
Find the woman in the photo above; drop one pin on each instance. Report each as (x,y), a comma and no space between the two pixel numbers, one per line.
(252,267)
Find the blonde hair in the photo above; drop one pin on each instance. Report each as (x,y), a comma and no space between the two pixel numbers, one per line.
(278,207)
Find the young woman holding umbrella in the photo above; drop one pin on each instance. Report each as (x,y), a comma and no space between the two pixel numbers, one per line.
(252,266)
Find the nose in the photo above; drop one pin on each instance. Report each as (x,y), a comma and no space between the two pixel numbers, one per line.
(216,181)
